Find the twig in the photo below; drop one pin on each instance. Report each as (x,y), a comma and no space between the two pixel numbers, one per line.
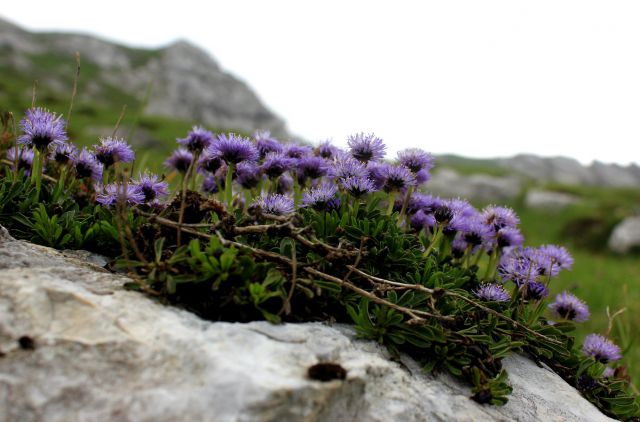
(75,87)
(34,89)
(286,306)
(122,113)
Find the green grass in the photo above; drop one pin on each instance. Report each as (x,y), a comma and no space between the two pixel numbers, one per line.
(600,278)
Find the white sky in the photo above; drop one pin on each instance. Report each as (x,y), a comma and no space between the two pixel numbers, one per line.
(475,78)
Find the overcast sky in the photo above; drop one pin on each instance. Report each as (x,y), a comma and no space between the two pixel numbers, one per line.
(475,78)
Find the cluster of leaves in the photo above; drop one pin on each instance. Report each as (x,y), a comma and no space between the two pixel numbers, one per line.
(55,218)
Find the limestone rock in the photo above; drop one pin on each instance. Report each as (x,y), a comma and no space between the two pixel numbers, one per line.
(544,199)
(480,187)
(626,235)
(75,346)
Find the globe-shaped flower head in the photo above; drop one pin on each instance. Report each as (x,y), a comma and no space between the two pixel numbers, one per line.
(180,160)
(276,204)
(151,187)
(23,156)
(113,150)
(366,147)
(416,159)
(492,292)
(569,307)
(87,166)
(322,197)
(41,128)
(64,153)
(266,144)
(197,139)
(234,149)
(601,348)
(131,195)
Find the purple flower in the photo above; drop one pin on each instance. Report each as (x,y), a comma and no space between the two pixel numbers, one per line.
(601,349)
(248,175)
(358,186)
(276,204)
(285,184)
(426,203)
(151,187)
(458,246)
(64,153)
(347,167)
(42,128)
(569,307)
(608,372)
(366,147)
(500,217)
(209,185)
(25,158)
(518,268)
(113,150)
(558,255)
(87,166)
(492,292)
(275,164)
(377,173)
(416,159)
(132,195)
(509,237)
(311,168)
(197,139)
(234,149)
(180,160)
(210,161)
(327,150)
(474,231)
(546,265)
(536,291)
(423,176)
(397,178)
(266,144)
(297,151)
(322,197)
(421,220)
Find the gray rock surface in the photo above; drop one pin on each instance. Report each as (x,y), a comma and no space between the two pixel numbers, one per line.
(479,187)
(544,199)
(626,235)
(104,354)
(570,172)
(187,82)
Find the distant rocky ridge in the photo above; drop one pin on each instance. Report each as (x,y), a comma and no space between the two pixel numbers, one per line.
(187,82)
(562,170)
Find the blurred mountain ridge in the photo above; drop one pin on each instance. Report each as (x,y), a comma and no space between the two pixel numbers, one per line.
(187,84)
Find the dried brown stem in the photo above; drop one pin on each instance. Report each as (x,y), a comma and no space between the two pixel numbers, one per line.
(472,302)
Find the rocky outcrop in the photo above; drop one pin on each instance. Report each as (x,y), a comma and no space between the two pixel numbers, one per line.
(626,235)
(568,171)
(477,187)
(75,346)
(186,82)
(545,199)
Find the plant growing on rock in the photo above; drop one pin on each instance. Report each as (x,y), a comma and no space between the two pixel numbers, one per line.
(286,232)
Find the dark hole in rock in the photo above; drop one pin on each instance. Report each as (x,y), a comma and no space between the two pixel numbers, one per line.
(326,371)
(27,343)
